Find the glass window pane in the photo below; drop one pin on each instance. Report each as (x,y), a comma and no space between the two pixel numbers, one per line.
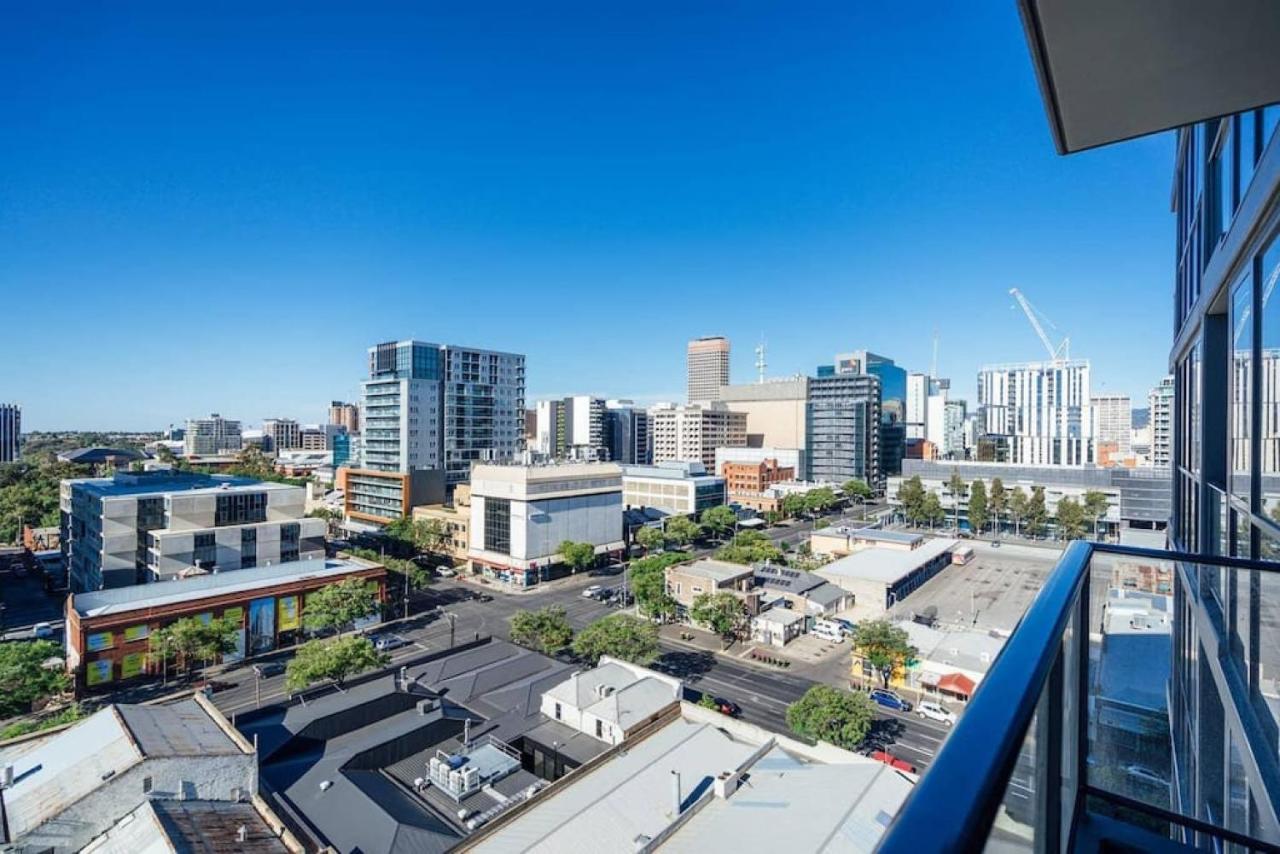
(1270,360)
(1241,383)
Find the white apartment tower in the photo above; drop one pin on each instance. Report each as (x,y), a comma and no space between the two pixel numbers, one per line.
(708,368)
(692,433)
(206,437)
(917,405)
(571,428)
(1160,399)
(1113,422)
(1038,413)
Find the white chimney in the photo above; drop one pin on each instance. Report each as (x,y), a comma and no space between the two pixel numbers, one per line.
(676,800)
(725,784)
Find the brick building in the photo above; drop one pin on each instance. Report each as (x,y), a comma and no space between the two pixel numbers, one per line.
(748,483)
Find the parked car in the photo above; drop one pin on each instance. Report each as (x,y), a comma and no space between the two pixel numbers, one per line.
(386,643)
(892,762)
(727,707)
(212,686)
(936,712)
(848,625)
(445,572)
(44,631)
(481,597)
(890,700)
(593,592)
(263,669)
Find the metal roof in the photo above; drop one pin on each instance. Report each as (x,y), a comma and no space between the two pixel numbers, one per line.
(124,599)
(176,730)
(884,565)
(718,571)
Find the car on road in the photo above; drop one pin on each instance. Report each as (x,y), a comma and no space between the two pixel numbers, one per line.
(890,700)
(265,669)
(892,761)
(848,625)
(727,707)
(43,631)
(445,572)
(936,712)
(386,643)
(481,597)
(593,592)
(995,544)
(213,686)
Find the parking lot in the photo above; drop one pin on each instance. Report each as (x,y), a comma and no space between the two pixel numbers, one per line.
(991,592)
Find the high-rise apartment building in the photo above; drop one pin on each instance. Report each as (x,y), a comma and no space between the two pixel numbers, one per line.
(893,401)
(345,415)
(708,368)
(1113,421)
(628,433)
(844,429)
(1160,420)
(571,428)
(1037,413)
(953,445)
(691,433)
(283,434)
(917,405)
(207,437)
(10,432)
(142,527)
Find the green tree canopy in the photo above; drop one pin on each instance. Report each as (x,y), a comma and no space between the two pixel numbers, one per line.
(1096,505)
(957,487)
(1037,514)
(857,488)
(193,640)
(722,612)
(577,556)
(978,507)
(682,530)
(749,547)
(546,630)
(334,659)
(931,509)
(824,713)
(911,494)
(1071,521)
(719,520)
(884,646)
(650,538)
(24,678)
(619,635)
(337,606)
(820,499)
(1017,507)
(793,504)
(648,581)
(998,497)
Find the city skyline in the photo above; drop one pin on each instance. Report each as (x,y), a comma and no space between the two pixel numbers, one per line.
(707,177)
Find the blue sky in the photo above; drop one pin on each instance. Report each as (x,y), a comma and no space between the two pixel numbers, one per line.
(219,208)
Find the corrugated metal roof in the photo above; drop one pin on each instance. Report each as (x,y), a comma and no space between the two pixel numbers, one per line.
(884,565)
(180,729)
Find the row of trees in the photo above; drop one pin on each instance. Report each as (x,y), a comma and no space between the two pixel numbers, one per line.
(1027,513)
(547,630)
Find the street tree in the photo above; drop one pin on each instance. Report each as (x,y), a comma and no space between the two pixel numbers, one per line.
(546,630)
(978,507)
(885,647)
(857,488)
(931,510)
(749,547)
(648,580)
(720,520)
(820,499)
(30,671)
(1096,505)
(577,556)
(793,505)
(911,495)
(1017,508)
(650,538)
(825,713)
(337,607)
(193,640)
(1037,513)
(331,659)
(997,500)
(1071,519)
(620,636)
(722,612)
(682,530)
(956,486)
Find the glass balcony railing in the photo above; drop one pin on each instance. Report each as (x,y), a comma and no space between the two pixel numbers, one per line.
(1135,708)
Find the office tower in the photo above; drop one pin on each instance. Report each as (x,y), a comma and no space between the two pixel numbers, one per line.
(142,527)
(775,409)
(10,432)
(1160,403)
(917,405)
(954,446)
(935,414)
(345,415)
(628,433)
(206,437)
(844,427)
(571,428)
(691,433)
(1038,413)
(893,401)
(708,368)
(319,437)
(1112,422)
(283,434)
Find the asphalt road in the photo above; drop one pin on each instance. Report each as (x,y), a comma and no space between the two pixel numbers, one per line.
(763,696)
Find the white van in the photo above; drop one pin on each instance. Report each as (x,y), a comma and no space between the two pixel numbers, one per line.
(827,630)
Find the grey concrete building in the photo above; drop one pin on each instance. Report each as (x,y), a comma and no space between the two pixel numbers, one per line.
(844,429)
(10,431)
(140,527)
(628,433)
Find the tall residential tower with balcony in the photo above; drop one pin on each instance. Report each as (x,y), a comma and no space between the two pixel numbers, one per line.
(10,431)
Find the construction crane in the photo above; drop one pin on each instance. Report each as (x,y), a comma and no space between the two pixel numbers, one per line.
(1063,350)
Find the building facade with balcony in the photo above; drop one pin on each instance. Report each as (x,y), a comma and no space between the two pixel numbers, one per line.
(10,432)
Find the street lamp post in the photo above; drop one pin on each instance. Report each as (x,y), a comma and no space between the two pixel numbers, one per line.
(452,618)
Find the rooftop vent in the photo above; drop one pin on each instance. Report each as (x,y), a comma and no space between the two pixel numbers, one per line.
(242,833)
(325,784)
